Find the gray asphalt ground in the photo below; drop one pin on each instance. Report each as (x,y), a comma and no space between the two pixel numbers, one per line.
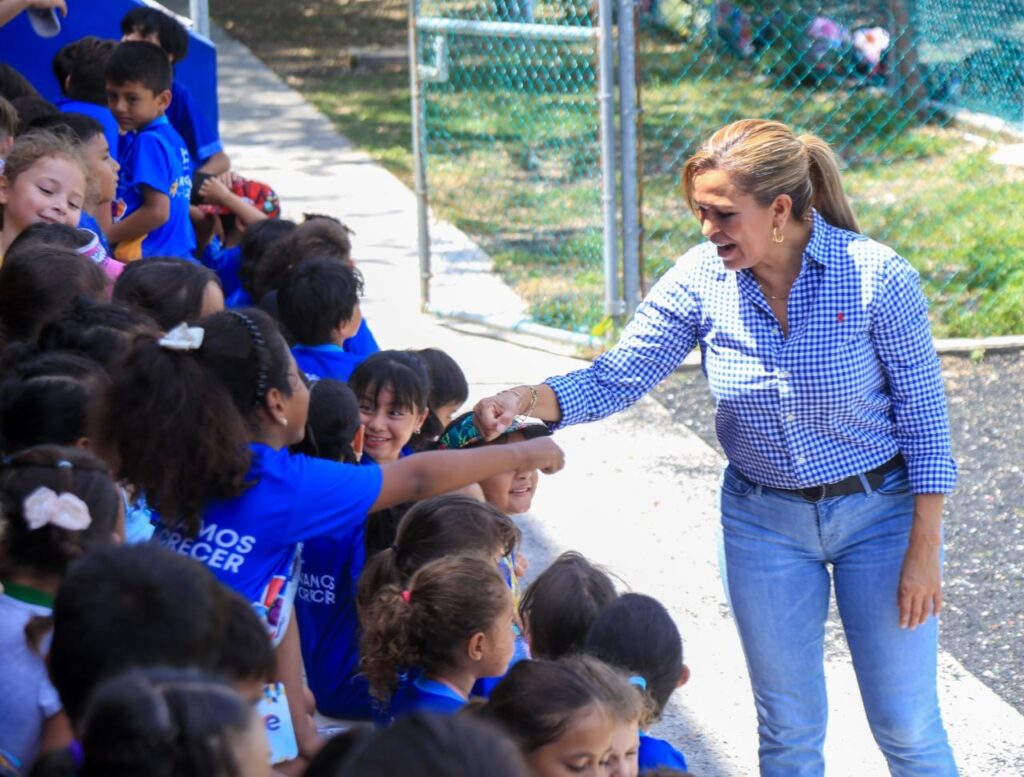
(639,491)
(983,624)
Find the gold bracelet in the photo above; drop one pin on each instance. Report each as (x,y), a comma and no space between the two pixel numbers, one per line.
(533,399)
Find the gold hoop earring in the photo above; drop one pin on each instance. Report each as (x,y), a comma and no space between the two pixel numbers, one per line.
(777,237)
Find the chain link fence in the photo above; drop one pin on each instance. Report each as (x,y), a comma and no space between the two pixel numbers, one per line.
(914,95)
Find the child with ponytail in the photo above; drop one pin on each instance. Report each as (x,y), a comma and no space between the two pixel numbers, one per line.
(58,503)
(449,627)
(200,420)
(328,598)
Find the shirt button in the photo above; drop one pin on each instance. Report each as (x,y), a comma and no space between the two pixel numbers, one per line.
(800,459)
(790,416)
(783,374)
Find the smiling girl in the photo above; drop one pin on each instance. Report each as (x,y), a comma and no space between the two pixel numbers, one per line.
(44,179)
(392,388)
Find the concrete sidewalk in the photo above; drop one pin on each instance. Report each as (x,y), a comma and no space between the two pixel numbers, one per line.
(638,494)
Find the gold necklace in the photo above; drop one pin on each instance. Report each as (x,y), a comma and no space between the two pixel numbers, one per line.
(764,291)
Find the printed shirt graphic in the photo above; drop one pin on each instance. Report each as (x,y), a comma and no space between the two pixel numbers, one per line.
(252,543)
(155,156)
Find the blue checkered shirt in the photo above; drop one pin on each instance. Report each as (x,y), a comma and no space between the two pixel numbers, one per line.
(856,381)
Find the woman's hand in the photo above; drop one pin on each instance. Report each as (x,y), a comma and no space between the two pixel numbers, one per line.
(544,454)
(920,589)
(493,415)
(920,593)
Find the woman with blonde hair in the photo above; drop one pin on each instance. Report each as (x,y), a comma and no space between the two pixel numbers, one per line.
(831,412)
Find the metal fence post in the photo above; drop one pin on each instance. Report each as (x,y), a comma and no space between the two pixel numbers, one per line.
(419,159)
(613,303)
(628,114)
(199,11)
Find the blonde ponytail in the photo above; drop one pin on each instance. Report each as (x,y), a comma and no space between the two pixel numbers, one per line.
(829,199)
(766,159)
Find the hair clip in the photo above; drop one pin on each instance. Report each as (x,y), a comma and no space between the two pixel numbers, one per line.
(183,338)
(394,548)
(64,464)
(638,681)
(44,507)
(406,596)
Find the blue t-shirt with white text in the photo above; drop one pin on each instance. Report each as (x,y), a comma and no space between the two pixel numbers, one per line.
(325,606)
(252,542)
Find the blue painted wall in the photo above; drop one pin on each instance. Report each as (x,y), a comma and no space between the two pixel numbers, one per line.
(31,55)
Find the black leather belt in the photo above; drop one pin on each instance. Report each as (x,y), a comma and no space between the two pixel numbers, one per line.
(850,485)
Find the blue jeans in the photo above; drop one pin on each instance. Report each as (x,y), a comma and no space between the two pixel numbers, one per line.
(779,549)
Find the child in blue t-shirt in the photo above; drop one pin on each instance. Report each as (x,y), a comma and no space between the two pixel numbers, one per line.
(152,208)
(325,601)
(636,634)
(318,303)
(450,626)
(79,70)
(202,139)
(200,421)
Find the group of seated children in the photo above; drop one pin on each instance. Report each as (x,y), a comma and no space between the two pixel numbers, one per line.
(228,513)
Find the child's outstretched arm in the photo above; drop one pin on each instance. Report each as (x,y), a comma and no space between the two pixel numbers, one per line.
(438,472)
(152,214)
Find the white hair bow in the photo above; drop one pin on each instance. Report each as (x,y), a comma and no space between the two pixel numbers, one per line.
(43,506)
(183,338)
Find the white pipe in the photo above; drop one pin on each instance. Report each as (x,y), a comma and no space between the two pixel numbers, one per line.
(613,304)
(558,32)
(199,11)
(628,140)
(419,159)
